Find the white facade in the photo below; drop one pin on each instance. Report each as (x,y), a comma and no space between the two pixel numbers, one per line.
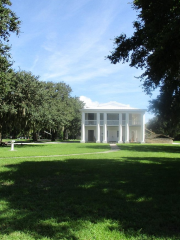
(113,125)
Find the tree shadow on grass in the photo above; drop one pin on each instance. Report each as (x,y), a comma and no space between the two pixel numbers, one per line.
(55,198)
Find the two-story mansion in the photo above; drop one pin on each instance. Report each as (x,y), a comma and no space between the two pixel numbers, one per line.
(113,125)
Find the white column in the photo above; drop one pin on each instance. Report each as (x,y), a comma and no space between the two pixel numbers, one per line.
(98,128)
(105,128)
(120,128)
(127,128)
(83,128)
(143,128)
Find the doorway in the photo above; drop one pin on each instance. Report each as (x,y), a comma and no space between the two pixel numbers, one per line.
(112,134)
(90,135)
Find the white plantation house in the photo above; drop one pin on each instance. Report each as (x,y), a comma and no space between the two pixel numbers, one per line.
(113,125)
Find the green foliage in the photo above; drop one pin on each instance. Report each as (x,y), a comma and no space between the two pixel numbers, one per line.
(9,22)
(62,112)
(21,106)
(155,48)
(157,126)
(167,108)
(155,44)
(58,95)
(30,106)
(73,126)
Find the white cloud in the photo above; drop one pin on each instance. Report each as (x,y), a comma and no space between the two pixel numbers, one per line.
(79,56)
(109,105)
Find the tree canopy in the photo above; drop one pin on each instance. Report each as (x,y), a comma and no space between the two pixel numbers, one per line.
(30,106)
(167,108)
(154,47)
(9,22)
(155,44)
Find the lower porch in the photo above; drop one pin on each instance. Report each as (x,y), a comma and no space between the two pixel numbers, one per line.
(91,134)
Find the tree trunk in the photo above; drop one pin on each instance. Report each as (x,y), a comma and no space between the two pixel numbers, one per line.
(53,138)
(0,134)
(54,135)
(64,134)
(35,136)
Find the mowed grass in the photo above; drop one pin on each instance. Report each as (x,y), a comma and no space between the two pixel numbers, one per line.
(51,149)
(130,194)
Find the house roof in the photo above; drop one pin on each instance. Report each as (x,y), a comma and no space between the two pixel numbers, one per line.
(116,110)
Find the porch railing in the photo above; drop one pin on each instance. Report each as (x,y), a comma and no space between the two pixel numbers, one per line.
(112,122)
(101,122)
(90,122)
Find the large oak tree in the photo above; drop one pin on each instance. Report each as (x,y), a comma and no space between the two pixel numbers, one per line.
(31,106)
(9,23)
(155,48)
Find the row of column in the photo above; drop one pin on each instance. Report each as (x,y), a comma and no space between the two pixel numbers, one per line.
(120,128)
(105,128)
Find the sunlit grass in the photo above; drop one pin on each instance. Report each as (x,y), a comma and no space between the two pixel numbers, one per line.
(51,149)
(130,194)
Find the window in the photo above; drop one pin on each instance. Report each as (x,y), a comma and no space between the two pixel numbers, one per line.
(123,116)
(101,116)
(91,116)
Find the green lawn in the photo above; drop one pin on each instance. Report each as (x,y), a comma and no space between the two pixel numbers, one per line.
(130,194)
(51,149)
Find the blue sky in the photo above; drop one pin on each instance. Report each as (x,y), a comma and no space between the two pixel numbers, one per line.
(67,40)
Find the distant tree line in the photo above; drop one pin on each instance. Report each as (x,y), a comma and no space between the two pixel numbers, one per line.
(29,106)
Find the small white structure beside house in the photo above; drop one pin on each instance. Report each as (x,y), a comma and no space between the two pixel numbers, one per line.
(113,125)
